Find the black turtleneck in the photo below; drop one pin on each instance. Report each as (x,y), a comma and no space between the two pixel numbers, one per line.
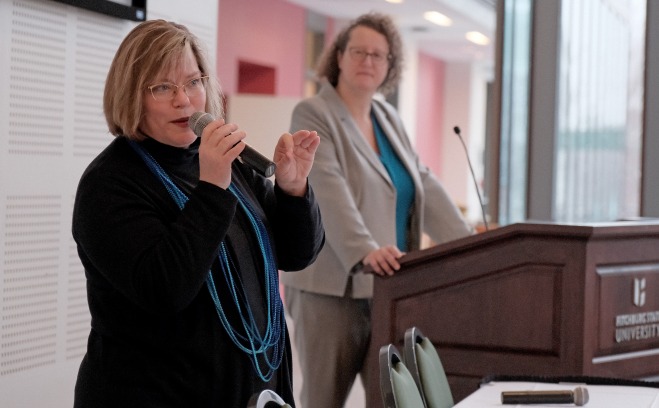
(156,339)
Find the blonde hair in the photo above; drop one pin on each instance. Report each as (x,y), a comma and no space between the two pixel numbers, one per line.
(151,48)
(383,24)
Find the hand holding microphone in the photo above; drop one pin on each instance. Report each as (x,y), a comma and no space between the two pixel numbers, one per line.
(198,122)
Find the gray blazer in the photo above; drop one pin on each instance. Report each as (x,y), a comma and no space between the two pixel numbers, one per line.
(357,198)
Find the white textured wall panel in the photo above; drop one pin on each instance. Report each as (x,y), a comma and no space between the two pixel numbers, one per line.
(53,62)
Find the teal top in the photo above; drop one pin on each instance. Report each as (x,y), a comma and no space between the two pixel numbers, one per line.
(402,181)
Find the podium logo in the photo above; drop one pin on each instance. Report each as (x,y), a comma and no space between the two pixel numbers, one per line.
(639,292)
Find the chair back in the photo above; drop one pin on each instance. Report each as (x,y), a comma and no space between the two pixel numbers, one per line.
(426,368)
(267,399)
(396,383)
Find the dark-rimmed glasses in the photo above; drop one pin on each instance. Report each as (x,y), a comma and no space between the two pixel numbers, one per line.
(360,55)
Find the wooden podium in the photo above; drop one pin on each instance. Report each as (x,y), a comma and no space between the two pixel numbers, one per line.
(528,299)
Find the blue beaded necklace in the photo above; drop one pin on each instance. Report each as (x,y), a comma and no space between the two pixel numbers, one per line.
(247,337)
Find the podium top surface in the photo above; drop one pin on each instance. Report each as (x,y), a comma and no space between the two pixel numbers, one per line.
(576,231)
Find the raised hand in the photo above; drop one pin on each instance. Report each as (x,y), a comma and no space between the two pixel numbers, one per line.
(294,156)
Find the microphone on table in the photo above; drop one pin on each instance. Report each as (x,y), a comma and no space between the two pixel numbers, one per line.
(199,120)
(473,176)
(577,397)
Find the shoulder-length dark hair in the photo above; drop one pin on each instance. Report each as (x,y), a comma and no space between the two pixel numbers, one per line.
(383,24)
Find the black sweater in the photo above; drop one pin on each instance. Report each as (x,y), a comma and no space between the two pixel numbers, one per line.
(156,339)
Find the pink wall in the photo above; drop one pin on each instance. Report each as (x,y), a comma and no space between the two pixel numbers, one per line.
(264,32)
(272,33)
(430,108)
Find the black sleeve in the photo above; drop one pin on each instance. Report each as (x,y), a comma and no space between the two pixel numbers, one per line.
(294,222)
(299,231)
(132,235)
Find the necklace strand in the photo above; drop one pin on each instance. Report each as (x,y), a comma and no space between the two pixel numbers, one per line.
(250,341)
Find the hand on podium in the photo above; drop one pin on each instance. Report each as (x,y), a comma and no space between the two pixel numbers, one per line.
(384,260)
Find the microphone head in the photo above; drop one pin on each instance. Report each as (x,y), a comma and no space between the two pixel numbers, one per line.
(456,130)
(580,396)
(198,121)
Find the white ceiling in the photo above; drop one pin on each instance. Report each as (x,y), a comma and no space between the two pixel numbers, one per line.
(446,43)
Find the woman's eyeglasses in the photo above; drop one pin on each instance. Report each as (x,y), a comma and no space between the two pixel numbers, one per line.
(360,55)
(167,91)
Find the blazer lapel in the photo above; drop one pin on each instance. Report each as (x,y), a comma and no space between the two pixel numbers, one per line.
(395,140)
(352,132)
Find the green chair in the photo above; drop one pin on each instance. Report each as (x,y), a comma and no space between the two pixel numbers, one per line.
(396,383)
(426,368)
(267,399)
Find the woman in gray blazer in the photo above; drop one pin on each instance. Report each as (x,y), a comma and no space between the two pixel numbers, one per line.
(376,200)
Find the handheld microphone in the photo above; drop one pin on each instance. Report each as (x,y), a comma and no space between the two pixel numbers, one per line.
(473,176)
(199,120)
(577,397)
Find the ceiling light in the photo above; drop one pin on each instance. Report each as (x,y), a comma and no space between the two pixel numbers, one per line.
(394,1)
(437,18)
(477,38)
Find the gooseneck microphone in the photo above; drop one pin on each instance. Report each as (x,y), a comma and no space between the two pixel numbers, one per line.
(473,176)
(199,120)
(577,397)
